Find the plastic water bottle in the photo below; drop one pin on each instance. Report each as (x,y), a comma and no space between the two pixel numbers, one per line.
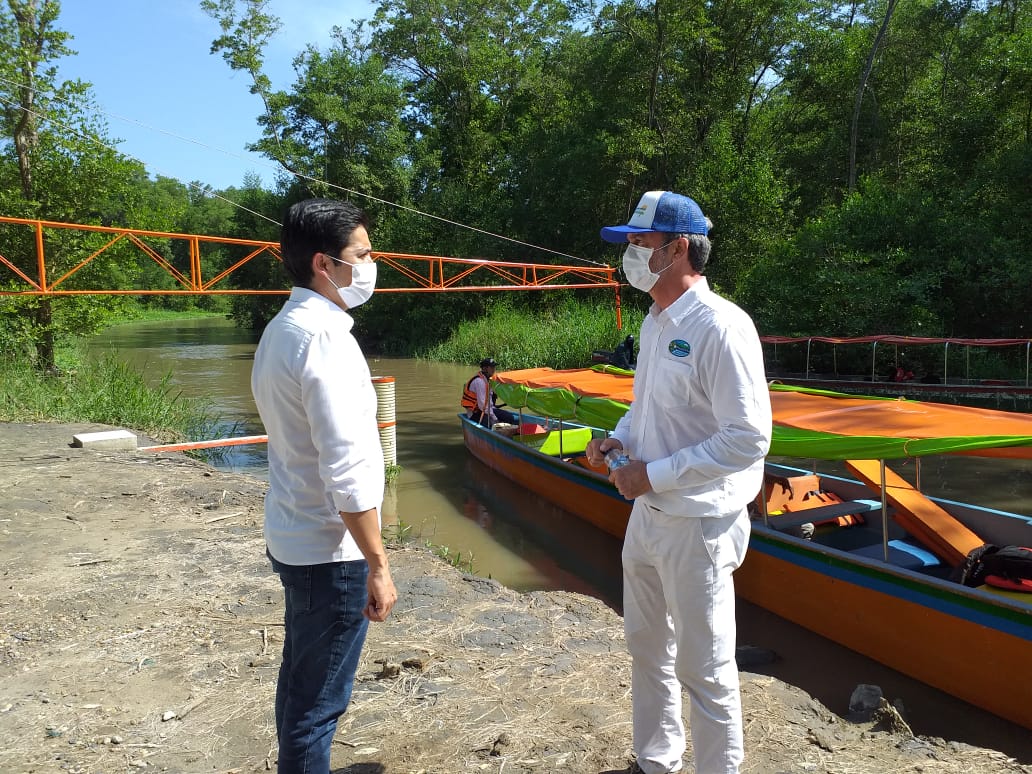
(616,458)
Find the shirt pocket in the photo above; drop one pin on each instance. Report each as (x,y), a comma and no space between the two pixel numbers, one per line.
(672,382)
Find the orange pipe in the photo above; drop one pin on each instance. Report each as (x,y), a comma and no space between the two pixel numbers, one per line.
(240,441)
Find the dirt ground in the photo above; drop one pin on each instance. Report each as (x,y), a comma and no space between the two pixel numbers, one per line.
(140,628)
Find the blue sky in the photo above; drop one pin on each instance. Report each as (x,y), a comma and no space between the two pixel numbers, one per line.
(149,62)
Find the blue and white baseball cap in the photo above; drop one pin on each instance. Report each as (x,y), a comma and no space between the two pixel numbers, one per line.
(661,211)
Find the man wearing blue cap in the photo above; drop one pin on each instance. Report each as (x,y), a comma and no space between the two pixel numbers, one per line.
(697,433)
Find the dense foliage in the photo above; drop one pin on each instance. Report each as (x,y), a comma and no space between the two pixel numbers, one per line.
(868,164)
(522,340)
(103,390)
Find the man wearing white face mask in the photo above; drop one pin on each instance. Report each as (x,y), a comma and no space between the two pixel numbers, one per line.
(326,476)
(697,433)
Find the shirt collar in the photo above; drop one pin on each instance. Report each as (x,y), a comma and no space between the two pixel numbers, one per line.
(684,303)
(311,300)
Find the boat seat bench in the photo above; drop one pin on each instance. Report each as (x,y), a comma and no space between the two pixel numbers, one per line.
(822,513)
(933,527)
(902,553)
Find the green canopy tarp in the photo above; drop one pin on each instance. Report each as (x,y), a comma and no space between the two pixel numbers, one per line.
(787,441)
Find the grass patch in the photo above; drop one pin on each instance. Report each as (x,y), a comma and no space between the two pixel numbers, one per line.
(562,337)
(397,535)
(146,314)
(103,391)
(455,558)
(402,533)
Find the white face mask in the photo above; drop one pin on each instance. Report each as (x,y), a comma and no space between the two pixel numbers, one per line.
(636,266)
(363,282)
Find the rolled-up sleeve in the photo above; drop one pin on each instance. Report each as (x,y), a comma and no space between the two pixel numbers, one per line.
(340,402)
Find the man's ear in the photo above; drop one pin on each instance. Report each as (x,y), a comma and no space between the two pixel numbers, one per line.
(319,261)
(684,244)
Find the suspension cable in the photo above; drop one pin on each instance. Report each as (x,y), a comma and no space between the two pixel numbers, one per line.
(277,166)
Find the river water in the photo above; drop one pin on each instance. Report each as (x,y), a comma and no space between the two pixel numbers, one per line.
(445,497)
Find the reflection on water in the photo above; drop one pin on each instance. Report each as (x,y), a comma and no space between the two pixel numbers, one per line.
(565,552)
(450,499)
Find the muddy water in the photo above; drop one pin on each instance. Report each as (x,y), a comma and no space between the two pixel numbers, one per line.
(443,496)
(449,499)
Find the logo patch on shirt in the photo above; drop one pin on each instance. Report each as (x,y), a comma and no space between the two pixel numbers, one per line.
(680,348)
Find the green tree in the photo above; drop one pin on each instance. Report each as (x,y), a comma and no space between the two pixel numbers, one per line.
(865,163)
(807,120)
(470,69)
(67,171)
(679,110)
(941,212)
(256,216)
(341,126)
(30,42)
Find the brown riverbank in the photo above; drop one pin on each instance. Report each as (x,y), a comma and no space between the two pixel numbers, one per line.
(139,630)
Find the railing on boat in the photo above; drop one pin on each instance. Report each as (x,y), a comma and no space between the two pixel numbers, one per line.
(908,341)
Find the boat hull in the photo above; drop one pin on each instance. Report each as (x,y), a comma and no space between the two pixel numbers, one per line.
(573,488)
(973,644)
(968,643)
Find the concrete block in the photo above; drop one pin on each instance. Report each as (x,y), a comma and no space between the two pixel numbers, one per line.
(111,440)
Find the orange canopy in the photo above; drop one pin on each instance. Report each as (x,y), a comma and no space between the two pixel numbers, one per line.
(580,381)
(836,426)
(893,418)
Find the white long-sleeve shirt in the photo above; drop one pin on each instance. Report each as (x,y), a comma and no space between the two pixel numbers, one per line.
(313,390)
(701,416)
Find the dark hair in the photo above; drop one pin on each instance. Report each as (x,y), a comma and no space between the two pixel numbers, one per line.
(698,247)
(316,226)
(698,251)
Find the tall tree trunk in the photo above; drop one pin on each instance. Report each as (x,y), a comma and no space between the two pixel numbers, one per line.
(32,35)
(30,39)
(25,138)
(868,66)
(43,317)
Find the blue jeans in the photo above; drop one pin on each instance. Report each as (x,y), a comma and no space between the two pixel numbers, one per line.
(501,415)
(324,634)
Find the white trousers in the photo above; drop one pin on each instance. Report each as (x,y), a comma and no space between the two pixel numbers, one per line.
(679,622)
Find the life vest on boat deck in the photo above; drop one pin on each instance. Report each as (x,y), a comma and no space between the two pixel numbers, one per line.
(469,398)
(1005,567)
(795,494)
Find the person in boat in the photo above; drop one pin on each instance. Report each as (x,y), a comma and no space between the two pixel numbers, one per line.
(480,402)
(623,355)
(696,434)
(326,475)
(901,374)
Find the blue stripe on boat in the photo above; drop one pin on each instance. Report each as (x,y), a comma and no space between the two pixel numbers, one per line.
(941,600)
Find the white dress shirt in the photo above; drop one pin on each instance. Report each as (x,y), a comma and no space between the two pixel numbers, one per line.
(313,390)
(701,417)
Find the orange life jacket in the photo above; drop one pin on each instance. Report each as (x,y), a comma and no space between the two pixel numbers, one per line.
(469,398)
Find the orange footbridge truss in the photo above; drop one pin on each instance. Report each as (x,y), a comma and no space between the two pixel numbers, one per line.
(25,274)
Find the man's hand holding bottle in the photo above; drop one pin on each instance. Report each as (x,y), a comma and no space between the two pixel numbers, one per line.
(629,476)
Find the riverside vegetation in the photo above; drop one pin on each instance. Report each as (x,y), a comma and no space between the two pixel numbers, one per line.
(841,149)
(85,388)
